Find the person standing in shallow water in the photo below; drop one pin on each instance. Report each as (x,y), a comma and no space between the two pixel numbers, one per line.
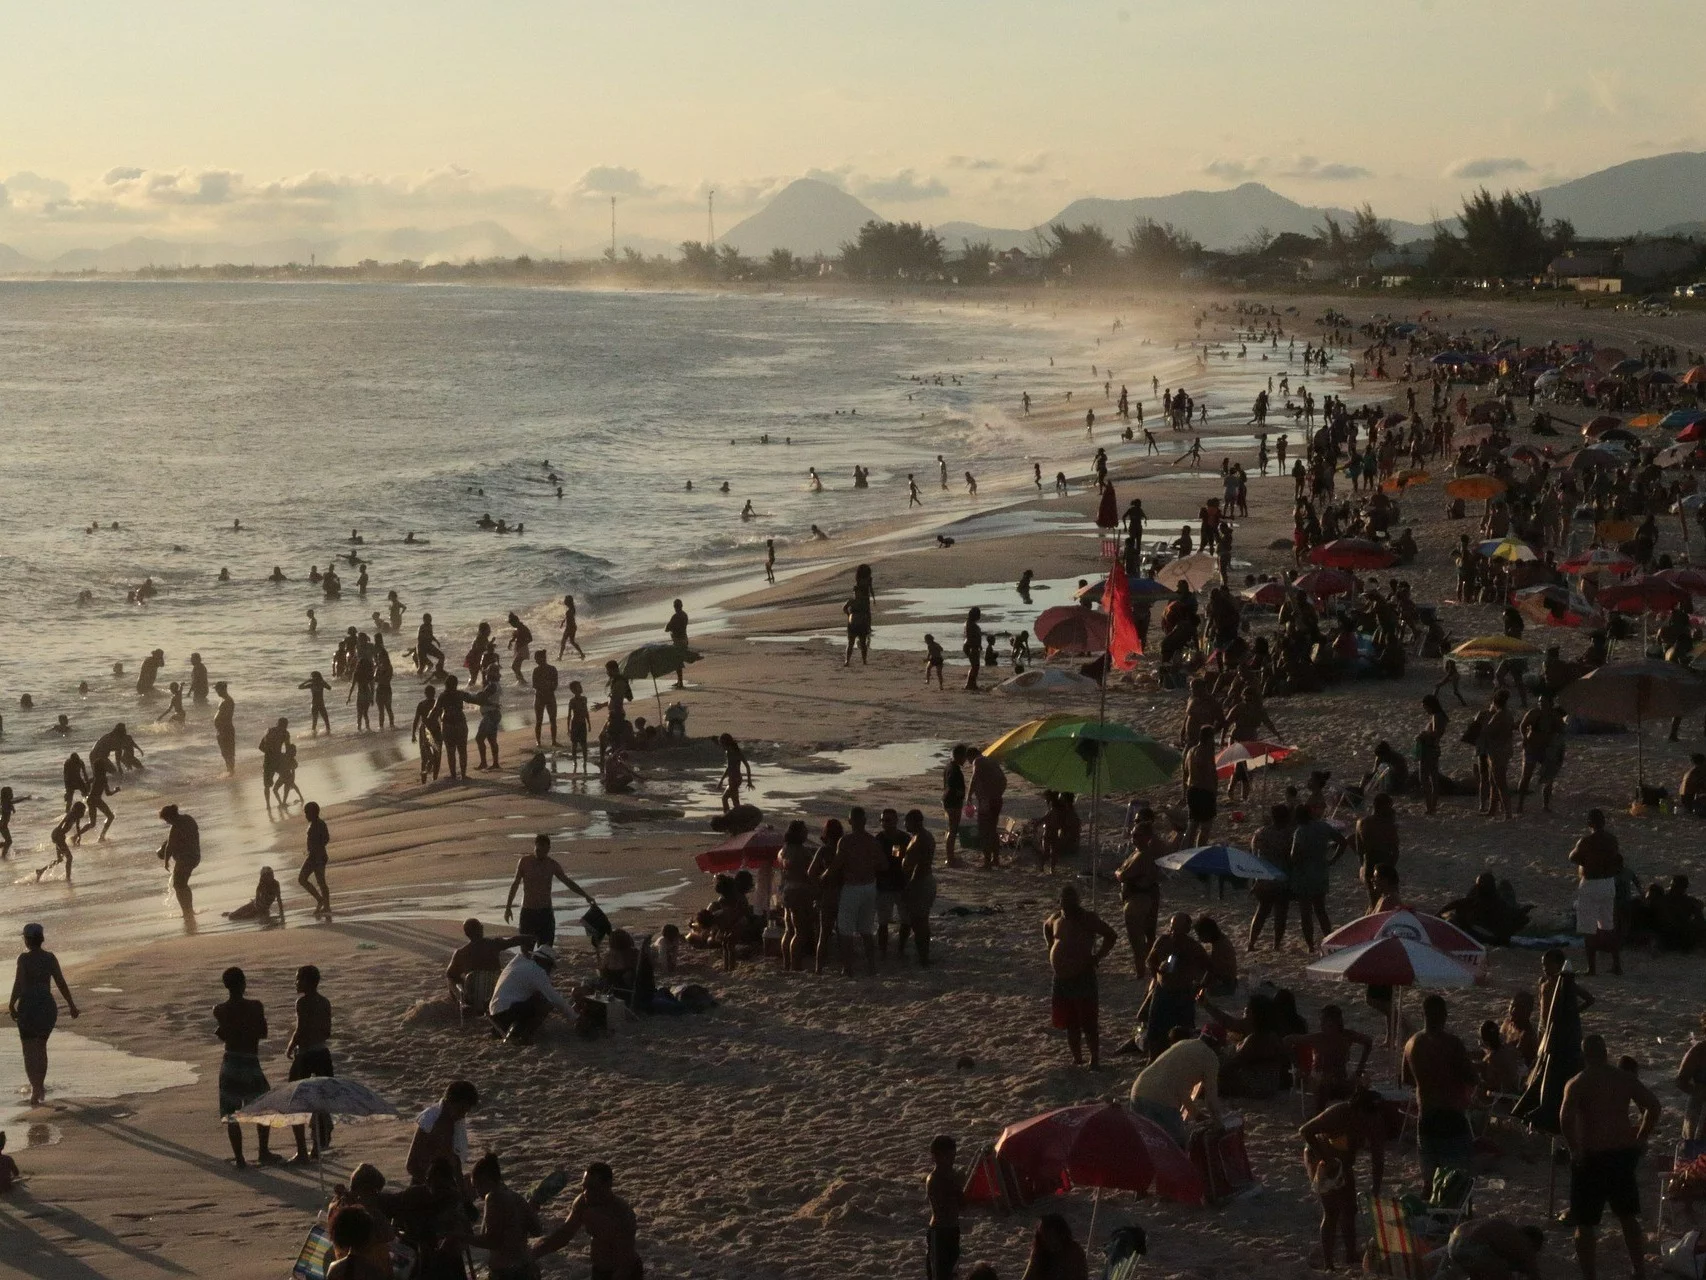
(544,697)
(677,629)
(313,874)
(570,627)
(33,1008)
(225,727)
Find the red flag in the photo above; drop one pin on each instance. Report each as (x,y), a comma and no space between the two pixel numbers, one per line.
(1124,645)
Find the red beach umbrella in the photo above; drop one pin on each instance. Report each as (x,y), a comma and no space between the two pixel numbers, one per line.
(1692,581)
(1406,922)
(1098,1144)
(1071,628)
(1108,513)
(1318,584)
(1254,754)
(1645,595)
(1352,553)
(748,851)
(1395,962)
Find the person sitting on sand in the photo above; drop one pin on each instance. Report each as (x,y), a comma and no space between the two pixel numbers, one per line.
(268,896)
(524,996)
(1326,1055)
(1489,911)
(362,1252)
(1055,1255)
(1500,1067)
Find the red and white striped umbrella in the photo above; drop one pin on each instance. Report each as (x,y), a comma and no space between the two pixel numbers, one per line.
(1252,755)
(1406,922)
(1395,962)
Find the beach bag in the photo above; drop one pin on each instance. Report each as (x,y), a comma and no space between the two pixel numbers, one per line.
(596,924)
(315,1256)
(968,824)
(1221,1160)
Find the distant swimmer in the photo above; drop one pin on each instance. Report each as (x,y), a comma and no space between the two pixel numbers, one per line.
(60,727)
(361,580)
(570,627)
(819,535)
(770,559)
(351,558)
(410,539)
(816,484)
(330,584)
(175,708)
(689,486)
(486,522)
(224,574)
(971,484)
(85,596)
(150,669)
(236,526)
(147,591)
(355,538)
(277,575)
(198,679)
(747,513)
(313,623)
(396,607)
(724,487)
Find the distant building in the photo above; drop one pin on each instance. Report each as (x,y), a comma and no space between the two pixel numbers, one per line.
(1658,259)
(1597,284)
(1016,264)
(1583,262)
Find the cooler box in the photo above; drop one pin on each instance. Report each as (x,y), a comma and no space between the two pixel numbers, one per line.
(1221,1160)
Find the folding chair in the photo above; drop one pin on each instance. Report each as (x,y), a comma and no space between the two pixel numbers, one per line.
(1394,1249)
(1451,1200)
(1685,1181)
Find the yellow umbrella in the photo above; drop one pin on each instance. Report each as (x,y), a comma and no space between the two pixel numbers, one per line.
(1512,549)
(1646,420)
(1494,647)
(1476,487)
(1018,737)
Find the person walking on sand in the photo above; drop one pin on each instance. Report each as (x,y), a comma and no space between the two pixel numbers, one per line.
(33,1009)
(225,727)
(609,1224)
(972,647)
(312,877)
(310,1054)
(241,1025)
(1077,940)
(1605,1152)
(570,628)
(533,876)
(520,644)
(677,629)
(1201,782)
(181,855)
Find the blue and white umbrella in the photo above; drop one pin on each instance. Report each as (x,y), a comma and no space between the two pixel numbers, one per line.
(1221,860)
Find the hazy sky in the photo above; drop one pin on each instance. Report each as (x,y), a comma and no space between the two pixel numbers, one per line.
(192,119)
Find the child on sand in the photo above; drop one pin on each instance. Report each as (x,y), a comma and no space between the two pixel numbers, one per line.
(580,723)
(934,657)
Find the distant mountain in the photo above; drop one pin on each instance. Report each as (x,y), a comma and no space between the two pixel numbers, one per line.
(13,261)
(1637,198)
(806,217)
(1220,219)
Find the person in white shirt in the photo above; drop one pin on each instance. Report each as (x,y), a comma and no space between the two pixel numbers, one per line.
(524,996)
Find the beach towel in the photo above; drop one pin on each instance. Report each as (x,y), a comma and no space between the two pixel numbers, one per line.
(1394,1250)
(316,1255)
(1596,905)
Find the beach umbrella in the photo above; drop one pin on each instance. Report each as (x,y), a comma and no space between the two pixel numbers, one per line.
(1048,682)
(1692,581)
(1644,595)
(1625,367)
(1448,358)
(1474,435)
(1605,422)
(1097,1145)
(1406,922)
(1352,553)
(1091,592)
(1199,570)
(1607,357)
(1619,435)
(1475,488)
(1677,419)
(1695,377)
(1253,754)
(1645,420)
(299,1102)
(1597,560)
(1678,455)
(1523,453)
(1093,756)
(1395,961)
(1693,432)
(1071,628)
(750,850)
(1638,691)
(1143,590)
(1508,549)
(1221,860)
(1108,510)
(1655,378)
(1599,457)
(1268,594)
(1017,737)
(1555,606)
(654,659)
(1494,647)
(1318,584)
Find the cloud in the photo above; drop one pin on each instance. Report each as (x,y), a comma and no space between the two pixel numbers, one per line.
(985,164)
(974,163)
(1296,168)
(615,180)
(900,188)
(836,178)
(1488,167)
(124,173)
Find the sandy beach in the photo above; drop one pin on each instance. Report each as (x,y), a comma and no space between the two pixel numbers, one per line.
(785,1132)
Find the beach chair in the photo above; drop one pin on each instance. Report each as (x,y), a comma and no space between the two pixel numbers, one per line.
(1451,1200)
(1685,1181)
(315,1256)
(1394,1249)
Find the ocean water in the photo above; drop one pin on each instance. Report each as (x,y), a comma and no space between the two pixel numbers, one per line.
(307,411)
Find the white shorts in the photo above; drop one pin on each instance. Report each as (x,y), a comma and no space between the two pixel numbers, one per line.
(858,910)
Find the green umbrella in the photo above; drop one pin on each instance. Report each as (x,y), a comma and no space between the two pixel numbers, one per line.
(657,658)
(1093,756)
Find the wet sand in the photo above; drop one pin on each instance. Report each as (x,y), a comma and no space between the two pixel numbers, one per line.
(785,1133)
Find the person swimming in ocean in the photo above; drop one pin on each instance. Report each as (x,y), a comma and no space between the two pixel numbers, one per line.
(277,575)
(175,708)
(313,623)
(395,606)
(819,535)
(747,513)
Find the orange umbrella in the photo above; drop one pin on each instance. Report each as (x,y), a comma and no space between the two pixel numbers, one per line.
(1476,487)
(1694,377)
(1646,420)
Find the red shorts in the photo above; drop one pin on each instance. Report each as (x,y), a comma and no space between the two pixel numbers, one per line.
(1074,1013)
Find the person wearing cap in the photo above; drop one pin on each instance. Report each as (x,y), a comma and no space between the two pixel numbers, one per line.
(524,996)
(33,1008)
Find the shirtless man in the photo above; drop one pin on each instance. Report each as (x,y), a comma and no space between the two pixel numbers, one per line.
(241,1025)
(676,628)
(1331,1143)
(317,686)
(580,727)
(310,1055)
(544,697)
(1598,859)
(609,1224)
(856,861)
(1438,1065)
(225,727)
(533,876)
(1330,1051)
(428,654)
(507,1222)
(943,1191)
(1077,939)
(570,627)
(1140,888)
(181,854)
(475,965)
(520,644)
(1201,784)
(272,745)
(312,877)
(1605,1152)
(1542,751)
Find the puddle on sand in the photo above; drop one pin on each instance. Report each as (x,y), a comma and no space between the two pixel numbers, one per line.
(41,1135)
(780,786)
(79,1067)
(483,898)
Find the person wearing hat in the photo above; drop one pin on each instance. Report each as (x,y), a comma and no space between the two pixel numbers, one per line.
(33,1008)
(524,996)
